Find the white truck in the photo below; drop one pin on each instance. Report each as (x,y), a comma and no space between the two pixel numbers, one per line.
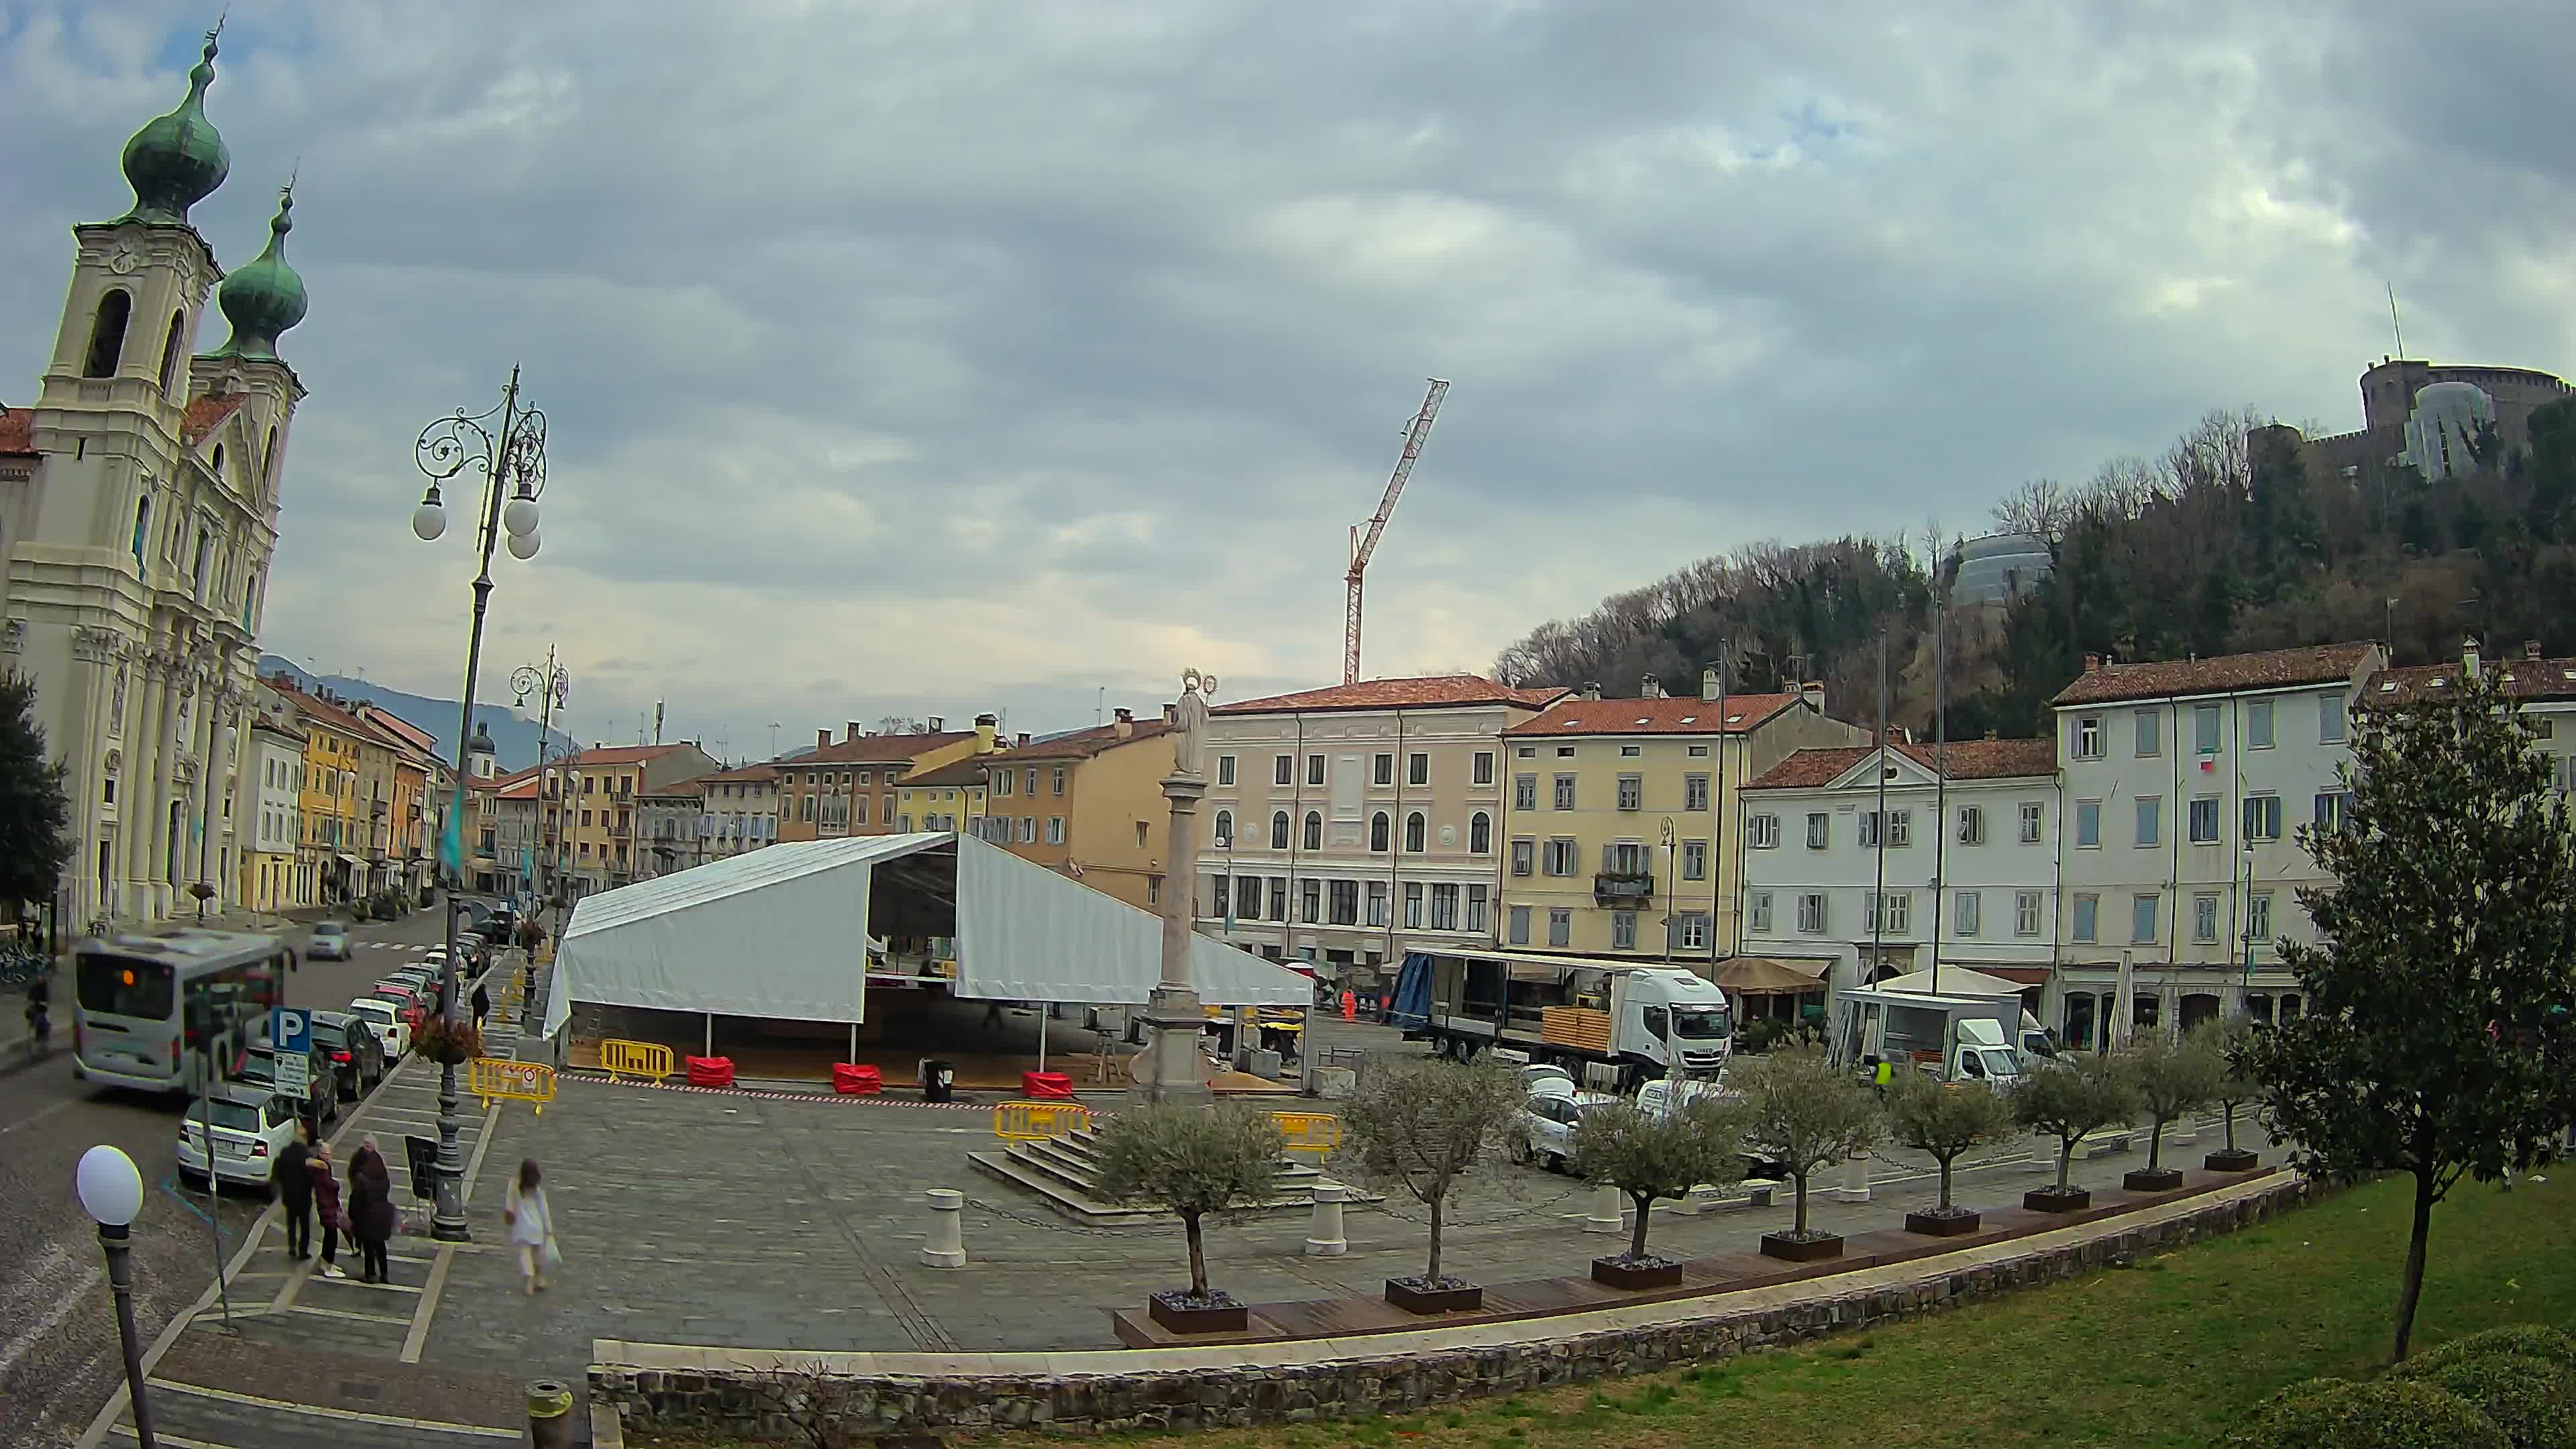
(1957,1036)
(1614,1024)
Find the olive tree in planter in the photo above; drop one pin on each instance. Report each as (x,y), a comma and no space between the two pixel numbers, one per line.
(2168,1078)
(1419,1125)
(2065,1103)
(1806,1114)
(1191,1161)
(1648,1155)
(1945,1119)
(2236,1087)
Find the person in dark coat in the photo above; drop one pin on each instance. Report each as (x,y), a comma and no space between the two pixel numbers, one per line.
(326,1207)
(482,1004)
(294,1179)
(371,1211)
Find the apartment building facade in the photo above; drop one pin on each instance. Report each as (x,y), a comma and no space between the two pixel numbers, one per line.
(2184,782)
(270,815)
(850,788)
(1089,805)
(1618,823)
(1347,824)
(592,804)
(666,828)
(1863,862)
(739,811)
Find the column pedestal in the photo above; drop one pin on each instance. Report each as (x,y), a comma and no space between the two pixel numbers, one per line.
(1171,1068)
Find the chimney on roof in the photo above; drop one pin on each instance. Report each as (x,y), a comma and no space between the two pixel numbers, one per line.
(2530,648)
(1650,688)
(1021,739)
(1813,692)
(849,731)
(1591,689)
(1990,734)
(938,723)
(2092,663)
(987,728)
(2469,657)
(1126,723)
(822,739)
(1171,714)
(1708,685)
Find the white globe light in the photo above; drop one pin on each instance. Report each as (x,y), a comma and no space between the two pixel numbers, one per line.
(519,515)
(428,521)
(524,545)
(111,1191)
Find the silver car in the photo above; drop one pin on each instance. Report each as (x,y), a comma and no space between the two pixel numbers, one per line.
(330,942)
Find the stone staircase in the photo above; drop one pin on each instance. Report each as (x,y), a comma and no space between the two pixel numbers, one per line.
(1064,1173)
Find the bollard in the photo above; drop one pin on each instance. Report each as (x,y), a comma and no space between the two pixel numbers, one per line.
(1855,1186)
(945,1247)
(549,1414)
(1324,1236)
(1609,1211)
(2186,1131)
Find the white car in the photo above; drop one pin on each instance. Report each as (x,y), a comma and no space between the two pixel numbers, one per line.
(386,1020)
(1545,1132)
(1535,1075)
(329,942)
(252,1125)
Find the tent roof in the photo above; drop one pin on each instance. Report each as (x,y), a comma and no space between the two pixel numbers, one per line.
(782,933)
(1758,975)
(1955,981)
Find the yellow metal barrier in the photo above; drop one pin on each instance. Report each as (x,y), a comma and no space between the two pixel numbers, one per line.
(491,1077)
(636,1059)
(1038,1121)
(1315,1132)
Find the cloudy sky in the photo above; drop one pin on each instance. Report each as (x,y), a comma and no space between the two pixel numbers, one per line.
(929,356)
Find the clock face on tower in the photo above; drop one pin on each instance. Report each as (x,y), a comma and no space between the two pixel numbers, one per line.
(124,259)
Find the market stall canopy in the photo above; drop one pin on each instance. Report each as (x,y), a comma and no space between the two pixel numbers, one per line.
(782,933)
(1955,981)
(1770,975)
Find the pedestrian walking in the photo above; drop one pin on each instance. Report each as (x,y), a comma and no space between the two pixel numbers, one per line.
(40,1017)
(371,1211)
(326,1207)
(532,1226)
(482,1004)
(294,1178)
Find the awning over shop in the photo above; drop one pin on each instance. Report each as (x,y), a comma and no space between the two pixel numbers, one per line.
(2022,976)
(782,933)
(347,859)
(1770,975)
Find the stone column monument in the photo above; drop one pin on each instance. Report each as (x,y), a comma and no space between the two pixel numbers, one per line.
(1172,1068)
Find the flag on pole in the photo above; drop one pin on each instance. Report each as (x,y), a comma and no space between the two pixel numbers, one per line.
(451,842)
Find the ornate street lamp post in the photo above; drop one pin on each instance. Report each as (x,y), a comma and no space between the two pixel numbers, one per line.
(554,686)
(507,445)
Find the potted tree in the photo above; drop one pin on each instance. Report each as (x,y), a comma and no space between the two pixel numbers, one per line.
(1419,1125)
(1945,1119)
(1806,1113)
(2236,1087)
(1648,1155)
(2065,1103)
(2168,1077)
(1191,1161)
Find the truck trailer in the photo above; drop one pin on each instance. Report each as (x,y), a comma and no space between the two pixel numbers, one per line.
(1615,1023)
(1956,1036)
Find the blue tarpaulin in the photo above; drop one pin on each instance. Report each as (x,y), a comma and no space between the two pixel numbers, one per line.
(1411,1009)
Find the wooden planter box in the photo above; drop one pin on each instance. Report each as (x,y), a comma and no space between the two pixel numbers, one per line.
(1182,1314)
(2235,1159)
(2050,1200)
(1651,1273)
(2152,1179)
(1795,1250)
(1941,1225)
(1413,1298)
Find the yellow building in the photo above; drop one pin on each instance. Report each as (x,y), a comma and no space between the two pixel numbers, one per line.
(329,865)
(1619,817)
(851,788)
(945,797)
(590,807)
(1088,804)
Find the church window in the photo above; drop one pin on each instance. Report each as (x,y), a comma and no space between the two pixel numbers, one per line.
(219,462)
(170,351)
(107,334)
(142,527)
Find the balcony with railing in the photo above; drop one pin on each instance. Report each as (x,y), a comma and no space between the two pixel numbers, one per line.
(1623,888)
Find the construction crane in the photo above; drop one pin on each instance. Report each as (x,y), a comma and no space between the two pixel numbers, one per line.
(1364,546)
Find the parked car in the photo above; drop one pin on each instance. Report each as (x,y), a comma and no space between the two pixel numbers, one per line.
(418,978)
(258,1067)
(329,942)
(393,1034)
(252,1125)
(1536,1073)
(408,1002)
(356,1057)
(1545,1132)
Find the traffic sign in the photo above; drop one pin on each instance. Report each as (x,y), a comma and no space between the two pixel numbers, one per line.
(290,1032)
(294,1075)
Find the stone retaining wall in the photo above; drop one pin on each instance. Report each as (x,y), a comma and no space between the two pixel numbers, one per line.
(743,1393)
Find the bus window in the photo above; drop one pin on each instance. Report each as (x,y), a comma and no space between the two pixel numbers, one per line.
(120,986)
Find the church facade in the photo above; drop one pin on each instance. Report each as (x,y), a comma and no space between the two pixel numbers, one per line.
(139,500)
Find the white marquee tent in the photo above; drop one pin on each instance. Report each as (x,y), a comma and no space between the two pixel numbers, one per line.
(782,932)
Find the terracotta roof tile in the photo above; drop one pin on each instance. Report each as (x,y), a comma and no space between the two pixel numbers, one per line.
(876,749)
(2223,674)
(206,414)
(1572,716)
(968,772)
(677,787)
(753,773)
(18,432)
(1431,692)
(1083,744)
(2524,678)
(313,704)
(1965,760)
(622,754)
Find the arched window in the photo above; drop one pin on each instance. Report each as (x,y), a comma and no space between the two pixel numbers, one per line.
(1378,832)
(1224,829)
(1413,833)
(1314,830)
(142,526)
(170,351)
(107,334)
(1279,830)
(219,463)
(1480,833)
(268,457)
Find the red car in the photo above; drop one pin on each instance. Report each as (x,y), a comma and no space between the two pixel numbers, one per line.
(411,1004)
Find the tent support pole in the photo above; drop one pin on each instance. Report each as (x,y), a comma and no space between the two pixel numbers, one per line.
(1045,1010)
(711,1034)
(854,1041)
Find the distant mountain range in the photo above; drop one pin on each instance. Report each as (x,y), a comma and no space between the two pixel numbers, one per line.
(514,737)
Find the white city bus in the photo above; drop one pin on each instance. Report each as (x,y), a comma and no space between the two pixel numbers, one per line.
(152,1003)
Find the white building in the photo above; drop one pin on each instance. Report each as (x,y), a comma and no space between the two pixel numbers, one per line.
(269,810)
(1344,825)
(2184,784)
(2543,692)
(1964,872)
(740,812)
(138,511)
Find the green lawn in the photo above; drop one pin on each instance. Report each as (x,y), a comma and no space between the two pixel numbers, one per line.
(2158,1354)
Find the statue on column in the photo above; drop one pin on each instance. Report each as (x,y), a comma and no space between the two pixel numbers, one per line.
(1189,719)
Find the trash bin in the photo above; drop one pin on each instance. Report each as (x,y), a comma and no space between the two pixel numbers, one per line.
(937,1077)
